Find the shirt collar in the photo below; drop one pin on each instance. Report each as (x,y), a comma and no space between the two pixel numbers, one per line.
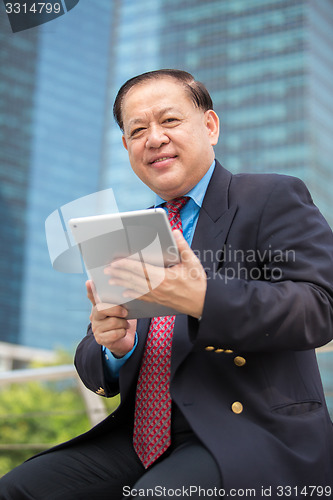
(197,193)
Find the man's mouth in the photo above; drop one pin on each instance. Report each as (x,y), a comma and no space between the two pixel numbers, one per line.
(163,158)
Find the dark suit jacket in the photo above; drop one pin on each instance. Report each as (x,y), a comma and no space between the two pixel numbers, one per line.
(246,376)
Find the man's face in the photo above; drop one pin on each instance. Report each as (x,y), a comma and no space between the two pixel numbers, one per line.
(169,141)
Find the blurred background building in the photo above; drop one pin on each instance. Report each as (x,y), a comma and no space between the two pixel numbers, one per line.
(53,88)
(267,63)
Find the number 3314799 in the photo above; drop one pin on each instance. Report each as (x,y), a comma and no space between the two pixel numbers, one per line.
(35,8)
(306,491)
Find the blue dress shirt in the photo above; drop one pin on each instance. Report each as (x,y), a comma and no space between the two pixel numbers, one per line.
(189,215)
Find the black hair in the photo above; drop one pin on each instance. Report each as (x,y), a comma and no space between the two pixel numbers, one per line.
(196,90)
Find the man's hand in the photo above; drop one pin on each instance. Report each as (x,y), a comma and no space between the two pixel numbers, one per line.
(110,326)
(182,287)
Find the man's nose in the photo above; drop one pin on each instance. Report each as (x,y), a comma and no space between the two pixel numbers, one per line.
(156,137)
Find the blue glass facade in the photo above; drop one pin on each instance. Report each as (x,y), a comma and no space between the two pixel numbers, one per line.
(320,103)
(55,158)
(18,63)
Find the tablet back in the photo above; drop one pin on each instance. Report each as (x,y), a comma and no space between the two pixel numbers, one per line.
(143,235)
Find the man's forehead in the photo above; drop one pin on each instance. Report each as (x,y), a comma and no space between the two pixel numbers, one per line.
(152,95)
(158,85)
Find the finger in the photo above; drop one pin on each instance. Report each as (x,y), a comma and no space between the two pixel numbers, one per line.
(136,276)
(127,279)
(109,337)
(186,253)
(132,294)
(102,311)
(109,324)
(131,265)
(154,275)
(137,289)
(90,294)
(111,310)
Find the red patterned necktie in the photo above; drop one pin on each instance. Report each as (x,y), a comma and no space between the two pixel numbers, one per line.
(152,417)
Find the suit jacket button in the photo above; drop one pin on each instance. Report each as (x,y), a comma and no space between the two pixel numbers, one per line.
(228,351)
(219,350)
(210,348)
(237,407)
(239,361)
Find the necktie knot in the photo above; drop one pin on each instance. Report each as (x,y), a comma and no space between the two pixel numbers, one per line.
(177,204)
(174,207)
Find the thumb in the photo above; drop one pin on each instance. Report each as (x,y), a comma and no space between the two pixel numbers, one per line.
(90,292)
(186,254)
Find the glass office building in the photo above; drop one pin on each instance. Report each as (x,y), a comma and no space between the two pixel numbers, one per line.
(18,69)
(53,86)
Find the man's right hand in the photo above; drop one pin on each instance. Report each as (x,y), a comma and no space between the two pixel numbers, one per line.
(110,326)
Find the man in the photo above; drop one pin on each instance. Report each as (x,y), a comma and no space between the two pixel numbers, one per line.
(255,297)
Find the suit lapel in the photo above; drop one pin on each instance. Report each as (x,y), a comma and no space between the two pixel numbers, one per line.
(209,238)
(215,220)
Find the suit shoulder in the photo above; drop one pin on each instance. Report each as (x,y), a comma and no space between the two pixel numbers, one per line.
(264,184)
(268,179)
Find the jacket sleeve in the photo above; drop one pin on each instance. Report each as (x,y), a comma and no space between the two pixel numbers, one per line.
(90,366)
(283,300)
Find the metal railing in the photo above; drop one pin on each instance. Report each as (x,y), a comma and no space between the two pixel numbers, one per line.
(10,353)
(94,404)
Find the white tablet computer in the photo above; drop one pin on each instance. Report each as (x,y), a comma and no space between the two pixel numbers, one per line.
(143,235)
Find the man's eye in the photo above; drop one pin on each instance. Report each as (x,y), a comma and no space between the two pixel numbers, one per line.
(170,120)
(136,131)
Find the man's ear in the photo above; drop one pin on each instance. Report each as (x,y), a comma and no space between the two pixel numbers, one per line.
(213,126)
(124,142)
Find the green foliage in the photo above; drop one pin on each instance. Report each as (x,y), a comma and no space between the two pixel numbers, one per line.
(35,416)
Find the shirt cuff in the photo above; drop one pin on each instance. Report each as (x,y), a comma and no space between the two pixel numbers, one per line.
(113,364)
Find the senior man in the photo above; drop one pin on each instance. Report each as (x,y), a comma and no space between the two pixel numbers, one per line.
(226,396)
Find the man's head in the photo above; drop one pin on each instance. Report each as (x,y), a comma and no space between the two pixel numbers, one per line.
(169,129)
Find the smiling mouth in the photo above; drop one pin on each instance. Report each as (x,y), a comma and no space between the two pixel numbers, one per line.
(164,158)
